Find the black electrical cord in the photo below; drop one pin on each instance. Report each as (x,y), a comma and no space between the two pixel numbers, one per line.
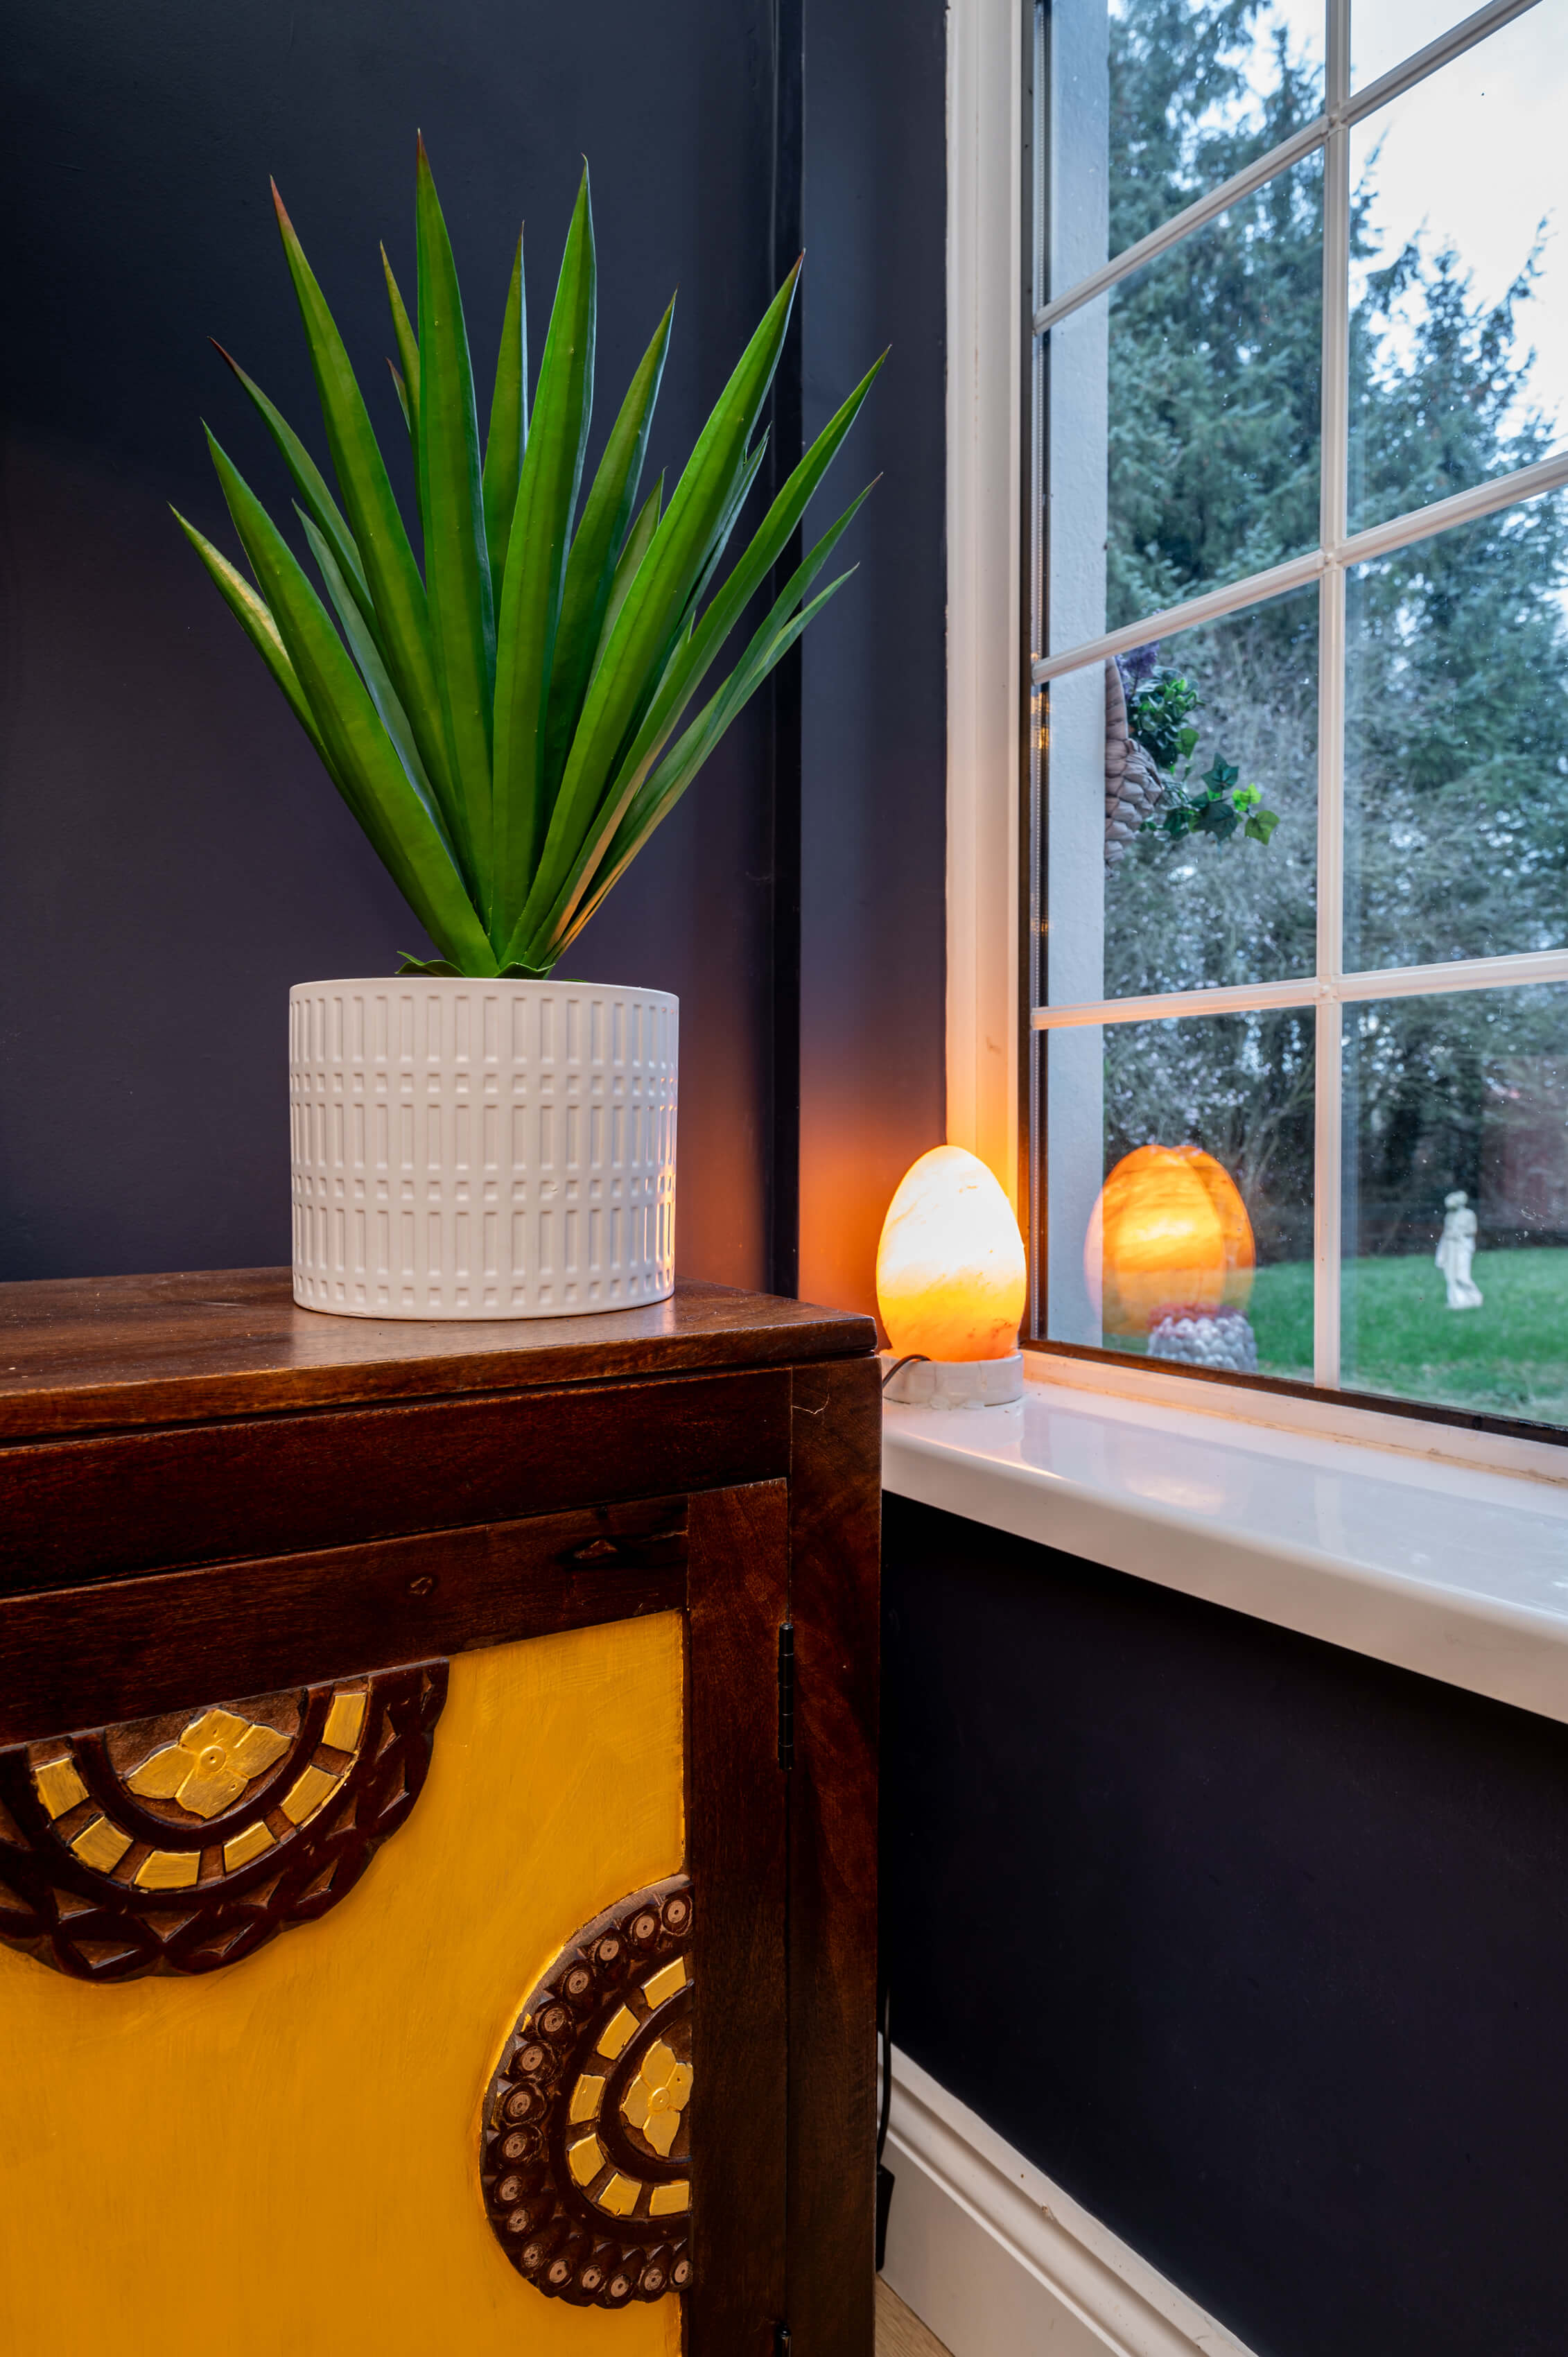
(907,1360)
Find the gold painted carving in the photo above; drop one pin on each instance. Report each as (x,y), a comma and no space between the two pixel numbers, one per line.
(253,1816)
(57,1785)
(586,2165)
(657,2097)
(206,1771)
(100,1844)
(617,2033)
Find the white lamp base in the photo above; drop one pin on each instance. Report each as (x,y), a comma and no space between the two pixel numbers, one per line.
(957,1383)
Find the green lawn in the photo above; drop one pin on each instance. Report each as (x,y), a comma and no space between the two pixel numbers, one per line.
(1281,1312)
(1510,1357)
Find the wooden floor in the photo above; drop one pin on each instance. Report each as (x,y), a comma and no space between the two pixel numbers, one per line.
(899,2333)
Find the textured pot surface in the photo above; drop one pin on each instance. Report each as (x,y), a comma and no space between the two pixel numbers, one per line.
(464,1148)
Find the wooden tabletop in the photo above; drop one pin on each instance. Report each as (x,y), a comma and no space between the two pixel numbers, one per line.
(104,1353)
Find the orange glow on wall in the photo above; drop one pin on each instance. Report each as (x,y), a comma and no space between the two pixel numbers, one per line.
(950,1278)
(1169,1232)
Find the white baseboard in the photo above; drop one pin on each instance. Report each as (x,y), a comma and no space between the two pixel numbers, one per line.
(1001,2263)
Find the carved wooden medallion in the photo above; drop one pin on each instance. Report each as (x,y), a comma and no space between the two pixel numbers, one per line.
(178,1843)
(584,2168)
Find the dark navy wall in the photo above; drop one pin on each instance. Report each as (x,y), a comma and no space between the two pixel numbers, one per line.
(1257,1947)
(171,857)
(874,974)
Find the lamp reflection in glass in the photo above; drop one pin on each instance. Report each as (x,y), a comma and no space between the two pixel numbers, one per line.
(1169,1254)
(952,1283)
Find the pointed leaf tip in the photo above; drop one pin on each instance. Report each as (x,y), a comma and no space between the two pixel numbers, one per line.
(284,223)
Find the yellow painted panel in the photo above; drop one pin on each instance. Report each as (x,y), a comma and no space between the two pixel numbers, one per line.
(669,2200)
(347,2060)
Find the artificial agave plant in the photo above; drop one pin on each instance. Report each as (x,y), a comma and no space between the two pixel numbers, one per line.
(504,726)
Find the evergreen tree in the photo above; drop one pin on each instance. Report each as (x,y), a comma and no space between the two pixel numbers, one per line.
(1214,376)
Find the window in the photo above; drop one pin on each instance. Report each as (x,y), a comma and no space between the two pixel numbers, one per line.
(1295,478)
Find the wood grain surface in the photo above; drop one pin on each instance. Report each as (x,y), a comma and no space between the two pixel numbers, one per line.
(87,1354)
(835,1529)
(126,1649)
(106,1506)
(899,2331)
(737,1853)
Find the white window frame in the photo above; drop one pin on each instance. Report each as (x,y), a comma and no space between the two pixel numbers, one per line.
(984,503)
(988,1018)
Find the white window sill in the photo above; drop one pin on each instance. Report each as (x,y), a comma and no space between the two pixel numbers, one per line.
(1455,1571)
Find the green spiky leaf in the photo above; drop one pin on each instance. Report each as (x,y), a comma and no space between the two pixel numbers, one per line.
(397,593)
(531,600)
(407,377)
(363,758)
(505,438)
(591,570)
(255,619)
(510,726)
(310,483)
(457,561)
(653,608)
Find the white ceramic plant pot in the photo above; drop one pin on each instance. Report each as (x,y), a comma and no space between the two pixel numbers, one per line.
(481,1150)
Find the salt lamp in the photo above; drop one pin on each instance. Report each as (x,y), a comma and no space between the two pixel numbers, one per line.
(950,1278)
(1168,1231)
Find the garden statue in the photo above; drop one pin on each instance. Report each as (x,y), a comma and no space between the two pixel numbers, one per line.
(1456,1250)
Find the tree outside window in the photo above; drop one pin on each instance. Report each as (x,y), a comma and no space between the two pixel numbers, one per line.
(1300,706)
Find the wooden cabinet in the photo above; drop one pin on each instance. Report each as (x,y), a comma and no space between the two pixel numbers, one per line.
(437,1898)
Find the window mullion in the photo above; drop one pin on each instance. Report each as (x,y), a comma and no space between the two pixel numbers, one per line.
(1329,1099)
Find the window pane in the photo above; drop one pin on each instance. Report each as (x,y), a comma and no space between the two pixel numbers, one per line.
(1455,1275)
(1201,1131)
(1383,33)
(1459,293)
(1218,884)
(1199,91)
(1183,413)
(1456,744)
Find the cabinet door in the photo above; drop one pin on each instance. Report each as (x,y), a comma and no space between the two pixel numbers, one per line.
(393,1946)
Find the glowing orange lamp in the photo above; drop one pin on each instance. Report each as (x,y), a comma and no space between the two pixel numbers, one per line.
(951,1284)
(1168,1234)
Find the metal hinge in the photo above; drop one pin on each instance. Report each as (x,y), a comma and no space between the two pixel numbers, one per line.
(780,2341)
(786,1735)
